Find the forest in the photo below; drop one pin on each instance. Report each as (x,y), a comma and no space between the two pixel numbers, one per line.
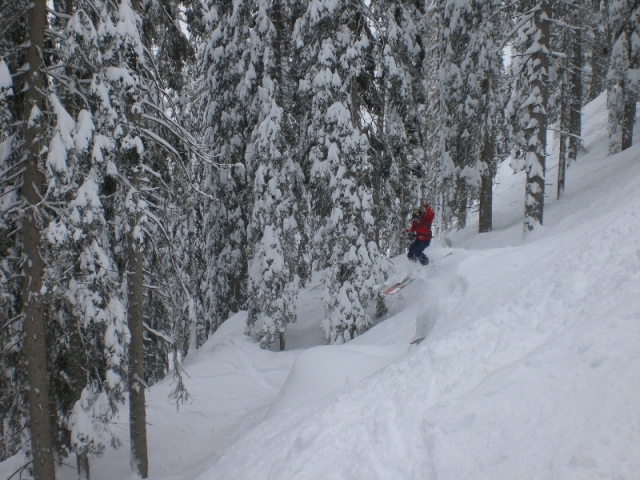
(165,164)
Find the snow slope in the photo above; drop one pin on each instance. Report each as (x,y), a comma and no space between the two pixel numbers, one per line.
(530,368)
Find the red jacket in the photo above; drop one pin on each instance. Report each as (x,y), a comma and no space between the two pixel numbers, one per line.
(422,226)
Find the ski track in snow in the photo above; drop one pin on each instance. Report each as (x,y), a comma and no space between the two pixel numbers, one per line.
(530,368)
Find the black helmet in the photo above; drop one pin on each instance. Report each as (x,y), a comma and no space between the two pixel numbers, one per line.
(416,214)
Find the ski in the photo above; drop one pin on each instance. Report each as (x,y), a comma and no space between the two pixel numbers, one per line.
(416,341)
(393,289)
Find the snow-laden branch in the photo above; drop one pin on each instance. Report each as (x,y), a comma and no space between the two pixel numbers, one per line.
(55,13)
(562,132)
(524,19)
(158,334)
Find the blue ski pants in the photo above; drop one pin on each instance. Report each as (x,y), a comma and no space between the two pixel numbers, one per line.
(416,251)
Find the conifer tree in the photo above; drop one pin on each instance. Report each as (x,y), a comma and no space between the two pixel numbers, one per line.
(453,130)
(147,149)
(566,71)
(622,80)
(33,187)
(86,307)
(528,106)
(564,108)
(576,62)
(599,48)
(277,183)
(101,103)
(395,98)
(469,84)
(13,406)
(229,117)
(485,59)
(74,298)
(331,39)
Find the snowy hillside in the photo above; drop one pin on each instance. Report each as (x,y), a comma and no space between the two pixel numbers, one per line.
(530,368)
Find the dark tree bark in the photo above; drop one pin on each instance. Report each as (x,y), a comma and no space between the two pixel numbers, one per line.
(564,120)
(629,114)
(485,223)
(627,125)
(576,90)
(135,278)
(534,199)
(562,152)
(277,19)
(462,200)
(600,49)
(278,43)
(487,157)
(32,297)
(137,407)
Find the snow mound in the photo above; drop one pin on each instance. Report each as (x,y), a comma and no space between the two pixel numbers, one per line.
(320,371)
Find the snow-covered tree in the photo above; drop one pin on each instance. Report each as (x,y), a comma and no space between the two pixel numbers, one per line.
(453,128)
(118,85)
(332,41)
(623,81)
(145,149)
(230,81)
(276,227)
(35,130)
(74,294)
(394,97)
(528,106)
(598,47)
(86,306)
(567,75)
(12,381)
(469,84)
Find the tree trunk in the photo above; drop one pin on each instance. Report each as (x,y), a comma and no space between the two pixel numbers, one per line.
(135,278)
(534,197)
(34,321)
(82,461)
(278,42)
(462,194)
(628,121)
(565,124)
(599,51)
(576,92)
(137,408)
(487,154)
(486,187)
(562,162)
(629,115)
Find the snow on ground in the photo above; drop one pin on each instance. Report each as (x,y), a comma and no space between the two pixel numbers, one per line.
(530,368)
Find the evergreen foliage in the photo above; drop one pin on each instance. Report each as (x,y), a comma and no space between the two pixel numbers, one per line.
(277,187)
(469,101)
(230,78)
(333,40)
(395,99)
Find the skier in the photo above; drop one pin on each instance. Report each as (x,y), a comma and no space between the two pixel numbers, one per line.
(421,226)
